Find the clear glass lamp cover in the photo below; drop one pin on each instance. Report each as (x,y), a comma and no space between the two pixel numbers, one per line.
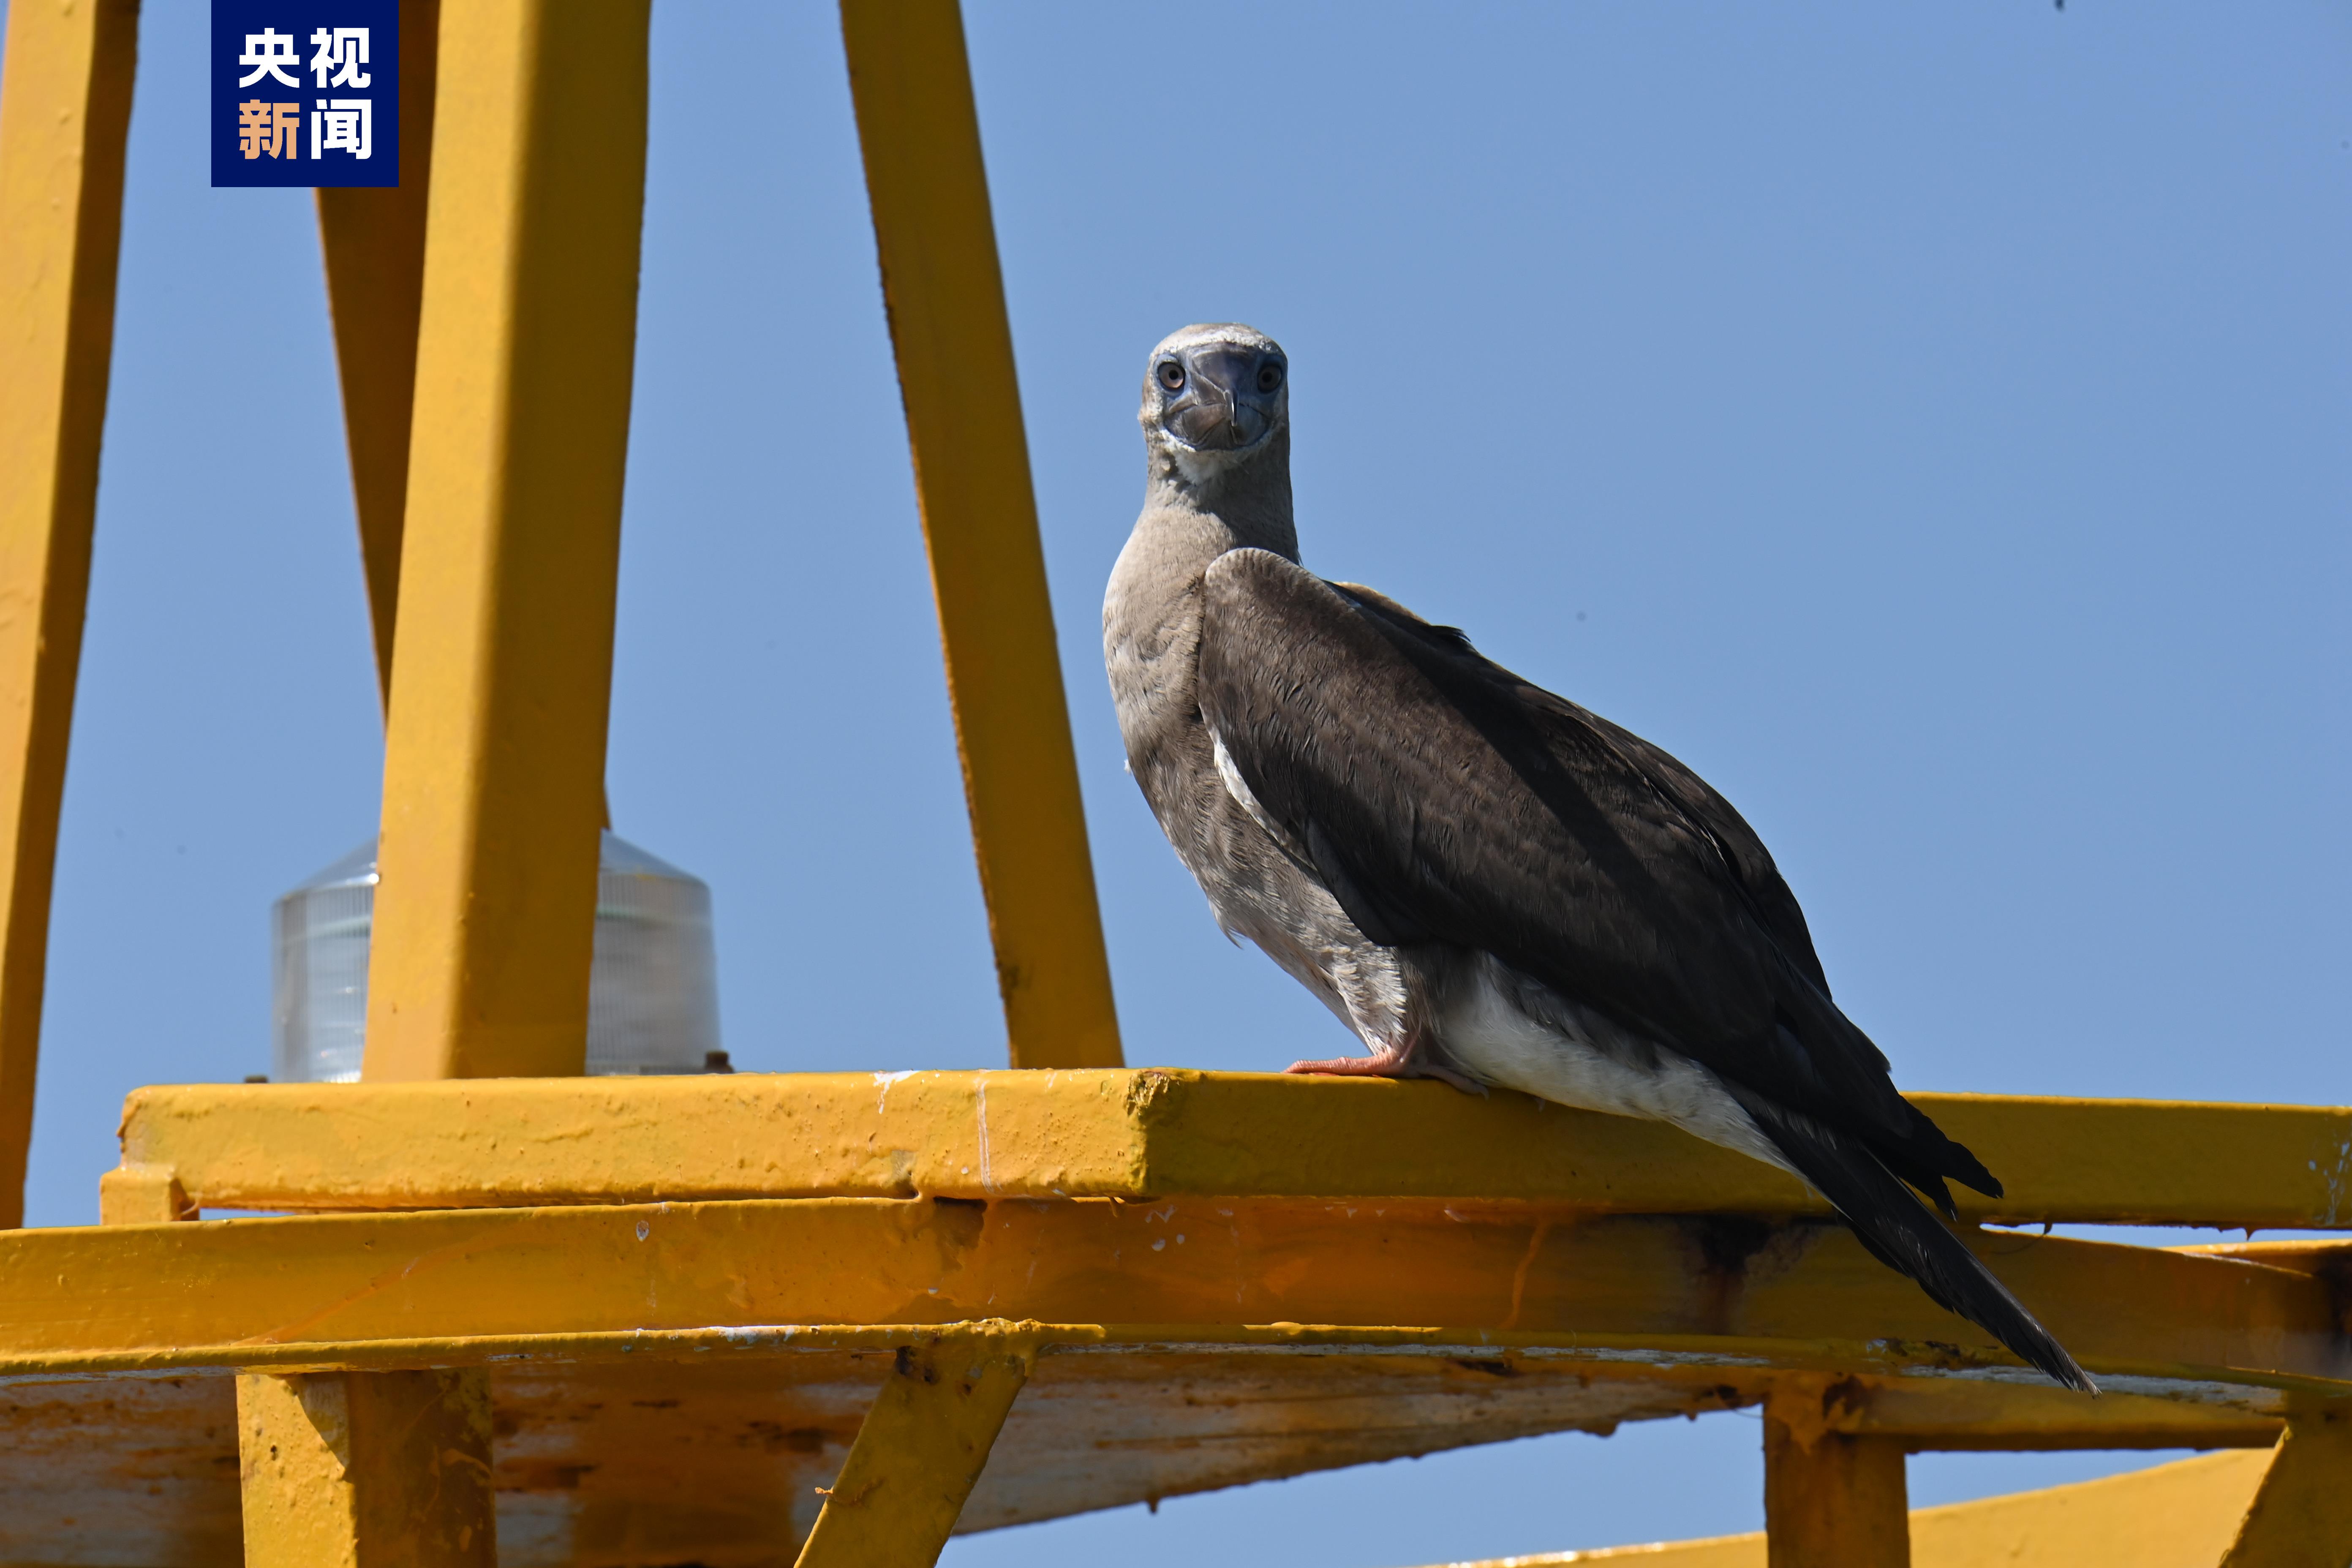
(652,995)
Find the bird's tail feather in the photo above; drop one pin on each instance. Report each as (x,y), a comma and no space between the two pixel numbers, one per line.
(1899,1232)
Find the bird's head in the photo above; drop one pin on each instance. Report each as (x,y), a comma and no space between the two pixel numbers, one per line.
(1215,399)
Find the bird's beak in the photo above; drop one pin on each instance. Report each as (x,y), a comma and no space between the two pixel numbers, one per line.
(1221,411)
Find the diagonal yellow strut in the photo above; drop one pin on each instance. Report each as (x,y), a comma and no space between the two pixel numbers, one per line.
(65,112)
(374,242)
(2301,1513)
(923,1445)
(921,132)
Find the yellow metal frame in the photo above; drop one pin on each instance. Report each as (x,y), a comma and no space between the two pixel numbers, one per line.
(65,112)
(372,241)
(923,1445)
(334,1467)
(1134,1133)
(494,755)
(982,1297)
(1829,1496)
(2242,1336)
(2301,1513)
(2223,1346)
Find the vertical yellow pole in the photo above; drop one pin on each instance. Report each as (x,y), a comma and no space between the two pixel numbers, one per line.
(65,112)
(920,133)
(502,669)
(366,1469)
(1830,1501)
(374,240)
(919,1451)
(2302,1514)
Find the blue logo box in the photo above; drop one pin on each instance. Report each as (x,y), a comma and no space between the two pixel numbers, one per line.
(306,93)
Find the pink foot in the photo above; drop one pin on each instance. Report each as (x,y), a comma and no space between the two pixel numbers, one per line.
(1383,1064)
(1409,1063)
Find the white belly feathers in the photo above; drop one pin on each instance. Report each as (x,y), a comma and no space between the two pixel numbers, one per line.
(1503,1030)
(1500,1027)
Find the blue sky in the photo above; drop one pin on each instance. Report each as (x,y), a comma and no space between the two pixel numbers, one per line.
(1927,422)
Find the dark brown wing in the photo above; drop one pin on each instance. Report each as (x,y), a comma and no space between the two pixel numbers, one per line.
(1444,799)
(1736,843)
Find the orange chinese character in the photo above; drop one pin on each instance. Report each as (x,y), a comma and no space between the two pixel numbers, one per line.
(254,128)
(265,129)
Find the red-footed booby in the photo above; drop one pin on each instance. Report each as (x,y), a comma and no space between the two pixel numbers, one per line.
(1486,883)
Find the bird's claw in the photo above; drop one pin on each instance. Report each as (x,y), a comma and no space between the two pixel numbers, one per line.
(1389,1064)
(1385,1064)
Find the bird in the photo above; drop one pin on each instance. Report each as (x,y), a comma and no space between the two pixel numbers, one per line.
(1486,883)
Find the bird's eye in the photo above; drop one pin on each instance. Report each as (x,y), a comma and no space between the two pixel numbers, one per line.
(1171,375)
(1269,377)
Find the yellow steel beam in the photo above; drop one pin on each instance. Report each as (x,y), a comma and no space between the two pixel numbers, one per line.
(1949,1413)
(1801,1297)
(2169,1516)
(65,110)
(2305,1256)
(374,240)
(346,1470)
(920,133)
(920,1448)
(502,671)
(2300,1517)
(1144,1132)
(1831,1500)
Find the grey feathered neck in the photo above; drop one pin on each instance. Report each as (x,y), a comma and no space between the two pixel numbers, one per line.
(1249,498)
